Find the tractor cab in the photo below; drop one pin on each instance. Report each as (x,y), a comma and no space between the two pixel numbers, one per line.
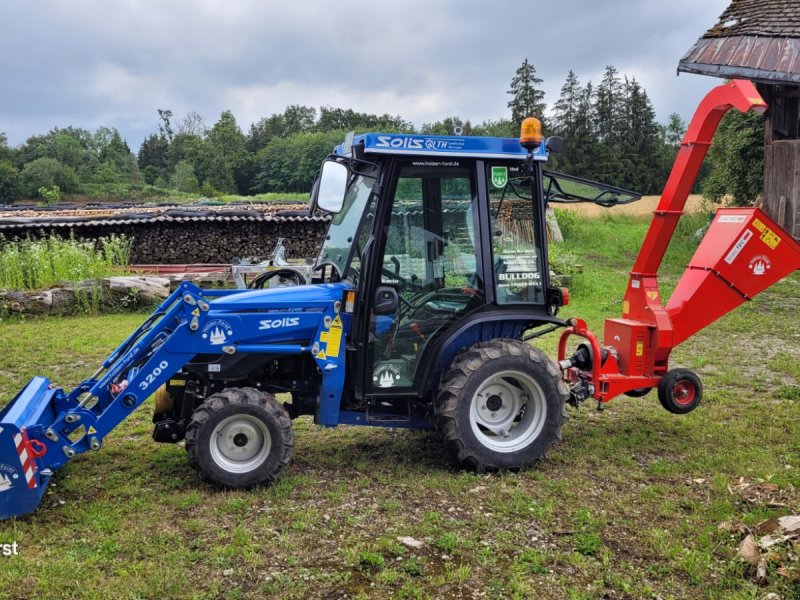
(440,237)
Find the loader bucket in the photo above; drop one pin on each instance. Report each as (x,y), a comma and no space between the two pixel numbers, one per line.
(743,253)
(23,480)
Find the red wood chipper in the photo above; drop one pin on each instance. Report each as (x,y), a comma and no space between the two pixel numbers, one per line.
(743,252)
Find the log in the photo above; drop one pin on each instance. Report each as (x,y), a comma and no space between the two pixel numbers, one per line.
(86,296)
(148,289)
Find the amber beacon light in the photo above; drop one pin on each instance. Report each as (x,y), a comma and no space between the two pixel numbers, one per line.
(530,133)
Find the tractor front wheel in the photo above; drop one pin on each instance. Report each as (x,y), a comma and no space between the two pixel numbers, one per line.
(680,391)
(239,438)
(501,406)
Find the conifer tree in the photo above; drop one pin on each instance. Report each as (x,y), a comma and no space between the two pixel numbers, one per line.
(527,99)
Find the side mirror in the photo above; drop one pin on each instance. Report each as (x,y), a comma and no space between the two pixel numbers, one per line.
(554,144)
(332,186)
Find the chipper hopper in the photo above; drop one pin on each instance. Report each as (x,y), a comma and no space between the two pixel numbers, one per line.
(431,280)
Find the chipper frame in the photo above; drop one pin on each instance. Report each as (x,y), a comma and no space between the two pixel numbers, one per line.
(432,277)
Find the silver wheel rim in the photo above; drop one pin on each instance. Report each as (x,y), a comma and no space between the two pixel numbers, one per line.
(240,444)
(508,411)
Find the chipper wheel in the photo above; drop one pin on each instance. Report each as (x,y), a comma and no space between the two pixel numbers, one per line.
(680,391)
(501,406)
(239,438)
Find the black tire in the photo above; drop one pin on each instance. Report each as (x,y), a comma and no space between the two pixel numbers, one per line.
(638,392)
(477,378)
(239,420)
(680,391)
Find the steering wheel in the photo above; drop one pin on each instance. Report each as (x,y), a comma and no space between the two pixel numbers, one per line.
(297,278)
(457,293)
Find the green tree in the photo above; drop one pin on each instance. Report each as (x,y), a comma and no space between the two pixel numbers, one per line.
(165,127)
(447,126)
(48,173)
(193,149)
(295,119)
(671,136)
(6,153)
(497,128)
(737,159)
(565,122)
(609,108)
(9,182)
(639,145)
(527,99)
(341,119)
(584,145)
(228,152)
(290,164)
(184,179)
(152,158)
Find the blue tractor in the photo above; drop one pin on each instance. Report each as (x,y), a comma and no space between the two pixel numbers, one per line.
(432,276)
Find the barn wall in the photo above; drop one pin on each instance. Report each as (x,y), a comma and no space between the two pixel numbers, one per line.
(781,168)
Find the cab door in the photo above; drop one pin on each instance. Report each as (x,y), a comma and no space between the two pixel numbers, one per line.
(430,256)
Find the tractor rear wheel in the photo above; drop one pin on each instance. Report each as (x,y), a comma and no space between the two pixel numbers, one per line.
(680,391)
(239,438)
(501,406)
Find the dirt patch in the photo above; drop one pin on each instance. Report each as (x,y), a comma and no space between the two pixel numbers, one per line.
(643,207)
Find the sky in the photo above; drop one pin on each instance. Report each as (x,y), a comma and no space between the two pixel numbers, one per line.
(113,63)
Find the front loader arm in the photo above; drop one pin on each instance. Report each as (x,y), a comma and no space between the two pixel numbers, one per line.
(44,426)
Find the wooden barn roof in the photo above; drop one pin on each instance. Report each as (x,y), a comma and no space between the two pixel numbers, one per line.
(754,39)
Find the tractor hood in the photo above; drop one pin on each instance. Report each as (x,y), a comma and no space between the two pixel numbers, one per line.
(302,297)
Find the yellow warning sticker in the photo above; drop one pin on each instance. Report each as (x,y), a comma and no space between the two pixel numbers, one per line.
(196,312)
(626,307)
(770,238)
(759,225)
(652,294)
(321,355)
(92,431)
(335,337)
(639,348)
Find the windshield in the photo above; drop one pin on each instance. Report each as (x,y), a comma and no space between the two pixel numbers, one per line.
(344,228)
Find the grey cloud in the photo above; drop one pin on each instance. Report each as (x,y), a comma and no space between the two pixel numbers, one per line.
(89,63)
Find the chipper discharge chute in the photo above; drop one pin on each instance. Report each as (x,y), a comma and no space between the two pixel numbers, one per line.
(429,283)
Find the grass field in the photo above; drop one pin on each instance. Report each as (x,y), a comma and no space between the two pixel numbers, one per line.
(629,505)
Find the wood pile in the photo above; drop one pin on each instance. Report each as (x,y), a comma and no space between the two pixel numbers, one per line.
(201,242)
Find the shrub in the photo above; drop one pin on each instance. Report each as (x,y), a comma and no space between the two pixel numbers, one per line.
(9,183)
(35,264)
(48,173)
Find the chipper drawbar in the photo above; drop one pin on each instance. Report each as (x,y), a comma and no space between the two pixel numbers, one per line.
(432,278)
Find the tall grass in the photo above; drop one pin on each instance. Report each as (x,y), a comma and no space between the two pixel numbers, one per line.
(32,264)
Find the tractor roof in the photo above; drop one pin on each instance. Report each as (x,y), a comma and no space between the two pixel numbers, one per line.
(439,145)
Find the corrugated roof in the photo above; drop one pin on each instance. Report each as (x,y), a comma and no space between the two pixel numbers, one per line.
(33,220)
(754,39)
